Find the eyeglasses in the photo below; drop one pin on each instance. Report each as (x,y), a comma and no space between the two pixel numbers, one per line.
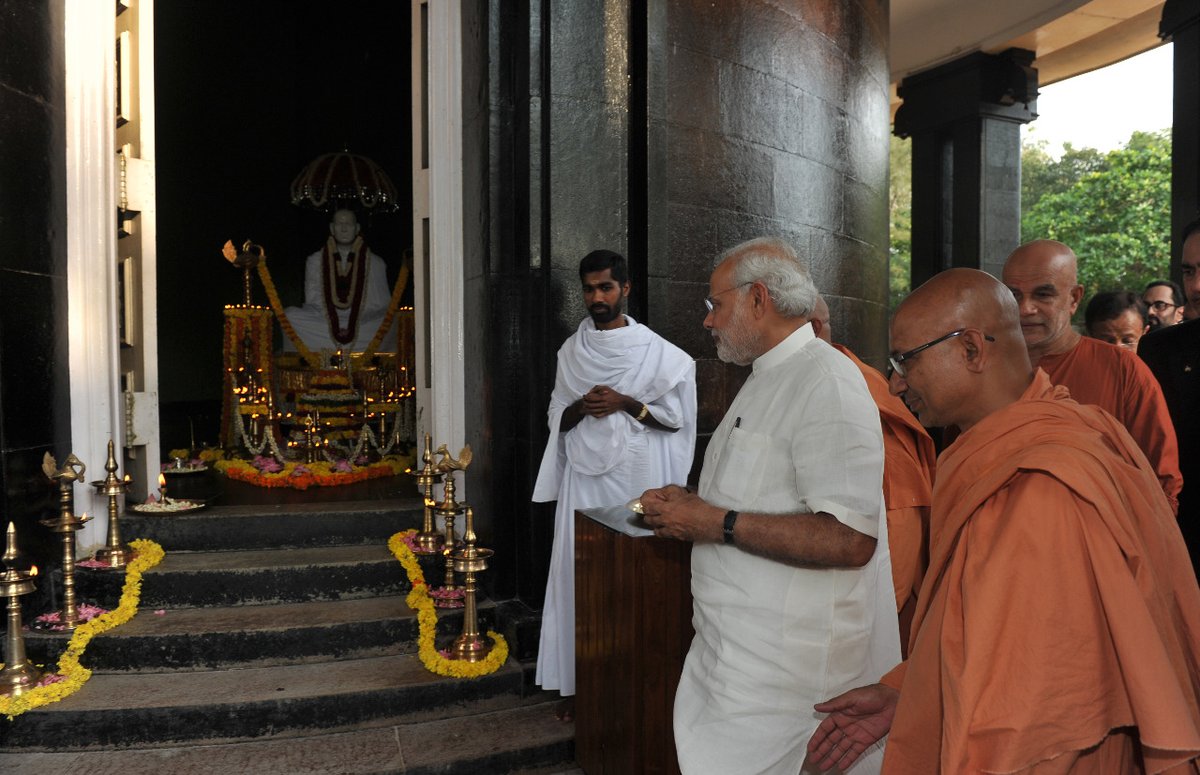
(708,302)
(895,362)
(1162,306)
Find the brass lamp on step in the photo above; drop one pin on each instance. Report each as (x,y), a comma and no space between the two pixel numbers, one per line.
(113,555)
(65,524)
(470,646)
(428,541)
(16,579)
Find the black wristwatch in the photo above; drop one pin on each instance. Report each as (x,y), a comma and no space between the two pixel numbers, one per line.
(730,519)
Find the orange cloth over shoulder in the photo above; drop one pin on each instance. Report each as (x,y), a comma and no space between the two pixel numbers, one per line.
(1118,382)
(908,469)
(1059,605)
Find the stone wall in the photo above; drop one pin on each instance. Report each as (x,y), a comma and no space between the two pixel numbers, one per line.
(34,399)
(667,130)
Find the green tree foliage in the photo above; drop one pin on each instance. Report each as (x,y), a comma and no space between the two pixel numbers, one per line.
(1113,209)
(900,220)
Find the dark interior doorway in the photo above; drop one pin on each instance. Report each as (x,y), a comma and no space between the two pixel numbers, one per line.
(246,94)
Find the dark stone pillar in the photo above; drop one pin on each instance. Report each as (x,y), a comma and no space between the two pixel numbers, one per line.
(35,403)
(1181,24)
(668,130)
(964,119)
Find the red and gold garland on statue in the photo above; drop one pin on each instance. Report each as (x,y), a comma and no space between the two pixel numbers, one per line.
(356,282)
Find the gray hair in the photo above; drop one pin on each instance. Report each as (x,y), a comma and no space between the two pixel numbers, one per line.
(774,263)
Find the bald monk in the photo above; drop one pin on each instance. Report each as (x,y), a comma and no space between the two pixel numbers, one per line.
(1058,626)
(1042,277)
(909,459)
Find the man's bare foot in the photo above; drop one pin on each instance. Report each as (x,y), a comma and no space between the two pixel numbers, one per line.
(566,710)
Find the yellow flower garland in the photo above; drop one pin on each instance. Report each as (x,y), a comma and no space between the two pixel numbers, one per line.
(418,600)
(147,554)
(277,306)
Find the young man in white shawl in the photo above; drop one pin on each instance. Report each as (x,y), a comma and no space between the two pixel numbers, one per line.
(622,419)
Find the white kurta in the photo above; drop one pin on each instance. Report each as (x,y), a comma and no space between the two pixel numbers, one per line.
(312,324)
(802,435)
(607,461)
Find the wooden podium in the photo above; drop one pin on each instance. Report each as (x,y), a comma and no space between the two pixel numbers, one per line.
(633,626)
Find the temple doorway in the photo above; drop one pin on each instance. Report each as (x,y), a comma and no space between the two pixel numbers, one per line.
(246,96)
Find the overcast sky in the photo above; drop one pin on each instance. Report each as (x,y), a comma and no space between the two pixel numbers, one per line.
(1101,109)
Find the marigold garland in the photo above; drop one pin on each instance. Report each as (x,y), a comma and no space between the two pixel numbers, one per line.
(418,600)
(286,325)
(301,476)
(74,675)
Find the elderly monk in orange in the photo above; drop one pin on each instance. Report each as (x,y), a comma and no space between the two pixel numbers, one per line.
(909,459)
(1058,627)
(1042,277)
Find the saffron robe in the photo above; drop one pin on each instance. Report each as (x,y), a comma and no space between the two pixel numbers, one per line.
(1059,610)
(909,461)
(607,461)
(772,639)
(1117,381)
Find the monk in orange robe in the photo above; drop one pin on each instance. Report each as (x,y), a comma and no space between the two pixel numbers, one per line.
(1042,277)
(909,460)
(1058,626)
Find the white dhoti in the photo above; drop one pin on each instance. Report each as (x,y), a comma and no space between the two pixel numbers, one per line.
(606,461)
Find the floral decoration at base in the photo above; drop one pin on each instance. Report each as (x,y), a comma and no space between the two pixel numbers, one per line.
(72,675)
(264,471)
(419,600)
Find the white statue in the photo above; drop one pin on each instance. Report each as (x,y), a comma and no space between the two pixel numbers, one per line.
(346,293)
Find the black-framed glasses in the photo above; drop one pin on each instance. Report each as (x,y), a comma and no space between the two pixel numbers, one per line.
(708,301)
(896,362)
(1162,306)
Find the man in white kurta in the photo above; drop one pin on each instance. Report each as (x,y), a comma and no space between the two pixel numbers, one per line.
(791,576)
(346,293)
(622,418)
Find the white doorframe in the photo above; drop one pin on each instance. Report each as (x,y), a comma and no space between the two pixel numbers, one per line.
(92,286)
(437,195)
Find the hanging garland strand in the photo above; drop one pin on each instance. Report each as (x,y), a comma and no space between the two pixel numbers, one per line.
(420,601)
(264,274)
(74,675)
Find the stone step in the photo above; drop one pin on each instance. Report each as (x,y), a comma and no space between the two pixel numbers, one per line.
(227,578)
(276,526)
(508,740)
(125,710)
(246,636)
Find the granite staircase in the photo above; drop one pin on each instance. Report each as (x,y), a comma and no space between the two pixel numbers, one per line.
(277,640)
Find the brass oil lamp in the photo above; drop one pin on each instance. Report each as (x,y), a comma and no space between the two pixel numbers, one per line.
(16,578)
(113,555)
(65,525)
(448,510)
(428,541)
(470,646)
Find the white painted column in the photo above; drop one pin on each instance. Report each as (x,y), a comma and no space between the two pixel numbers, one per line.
(91,251)
(445,413)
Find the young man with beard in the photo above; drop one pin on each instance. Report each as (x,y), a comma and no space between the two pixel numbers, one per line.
(622,419)
(791,579)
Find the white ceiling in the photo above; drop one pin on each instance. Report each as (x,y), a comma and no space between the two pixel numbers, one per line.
(1068,36)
